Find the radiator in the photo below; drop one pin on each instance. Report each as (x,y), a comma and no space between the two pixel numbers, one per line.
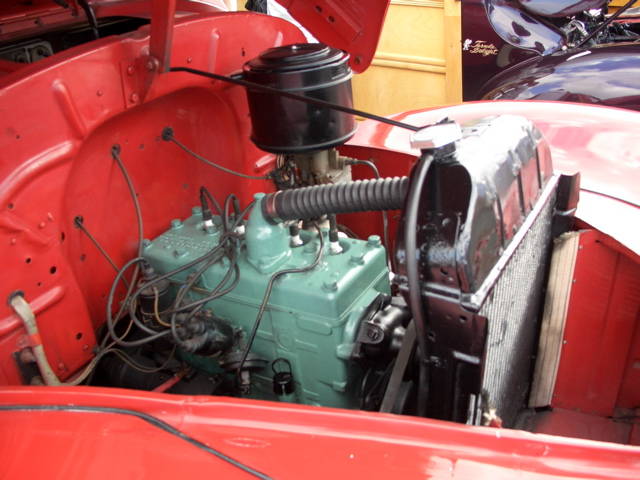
(484,237)
(512,310)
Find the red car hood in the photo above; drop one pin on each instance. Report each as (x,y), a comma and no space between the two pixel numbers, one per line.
(351,25)
(98,433)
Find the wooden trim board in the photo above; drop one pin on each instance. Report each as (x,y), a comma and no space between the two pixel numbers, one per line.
(563,261)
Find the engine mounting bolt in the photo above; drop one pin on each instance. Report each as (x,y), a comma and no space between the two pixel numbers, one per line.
(197,210)
(176,224)
(374,241)
(330,286)
(179,252)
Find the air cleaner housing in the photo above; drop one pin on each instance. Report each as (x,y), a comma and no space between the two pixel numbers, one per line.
(284,125)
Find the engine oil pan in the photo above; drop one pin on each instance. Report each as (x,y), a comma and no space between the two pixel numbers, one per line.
(284,125)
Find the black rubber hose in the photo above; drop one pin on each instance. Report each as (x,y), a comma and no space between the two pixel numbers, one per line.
(416,302)
(358,196)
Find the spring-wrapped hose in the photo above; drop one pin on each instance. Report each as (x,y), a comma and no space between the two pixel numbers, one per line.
(358,196)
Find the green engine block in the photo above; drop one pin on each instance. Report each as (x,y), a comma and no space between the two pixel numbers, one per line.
(312,318)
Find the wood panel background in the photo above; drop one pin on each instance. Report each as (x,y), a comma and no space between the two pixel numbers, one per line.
(418,60)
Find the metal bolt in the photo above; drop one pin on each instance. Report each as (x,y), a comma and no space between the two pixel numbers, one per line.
(134,98)
(130,70)
(357,258)
(146,243)
(61,366)
(189,59)
(42,225)
(374,241)
(13,241)
(176,223)
(99,93)
(196,210)
(151,65)
(179,252)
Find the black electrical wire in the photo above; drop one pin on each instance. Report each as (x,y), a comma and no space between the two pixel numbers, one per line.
(109,315)
(79,223)
(313,101)
(229,235)
(167,135)
(267,294)
(206,194)
(216,292)
(115,153)
(385,217)
(150,419)
(413,275)
(184,289)
(195,262)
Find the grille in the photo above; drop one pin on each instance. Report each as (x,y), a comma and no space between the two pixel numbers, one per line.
(512,311)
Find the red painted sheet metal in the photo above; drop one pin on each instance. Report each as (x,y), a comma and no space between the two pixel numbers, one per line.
(629,395)
(599,331)
(350,25)
(59,119)
(283,441)
(569,423)
(161,39)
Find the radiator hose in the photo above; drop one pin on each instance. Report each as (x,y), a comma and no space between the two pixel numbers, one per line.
(357,196)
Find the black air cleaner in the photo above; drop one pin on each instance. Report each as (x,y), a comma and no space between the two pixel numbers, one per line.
(284,125)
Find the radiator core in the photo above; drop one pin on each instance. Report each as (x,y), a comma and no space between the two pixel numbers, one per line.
(512,310)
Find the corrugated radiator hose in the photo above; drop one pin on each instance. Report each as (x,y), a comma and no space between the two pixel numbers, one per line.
(357,196)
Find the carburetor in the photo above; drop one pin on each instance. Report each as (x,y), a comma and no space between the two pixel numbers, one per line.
(312,319)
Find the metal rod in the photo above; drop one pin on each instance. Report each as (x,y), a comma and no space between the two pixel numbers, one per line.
(606,23)
(302,98)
